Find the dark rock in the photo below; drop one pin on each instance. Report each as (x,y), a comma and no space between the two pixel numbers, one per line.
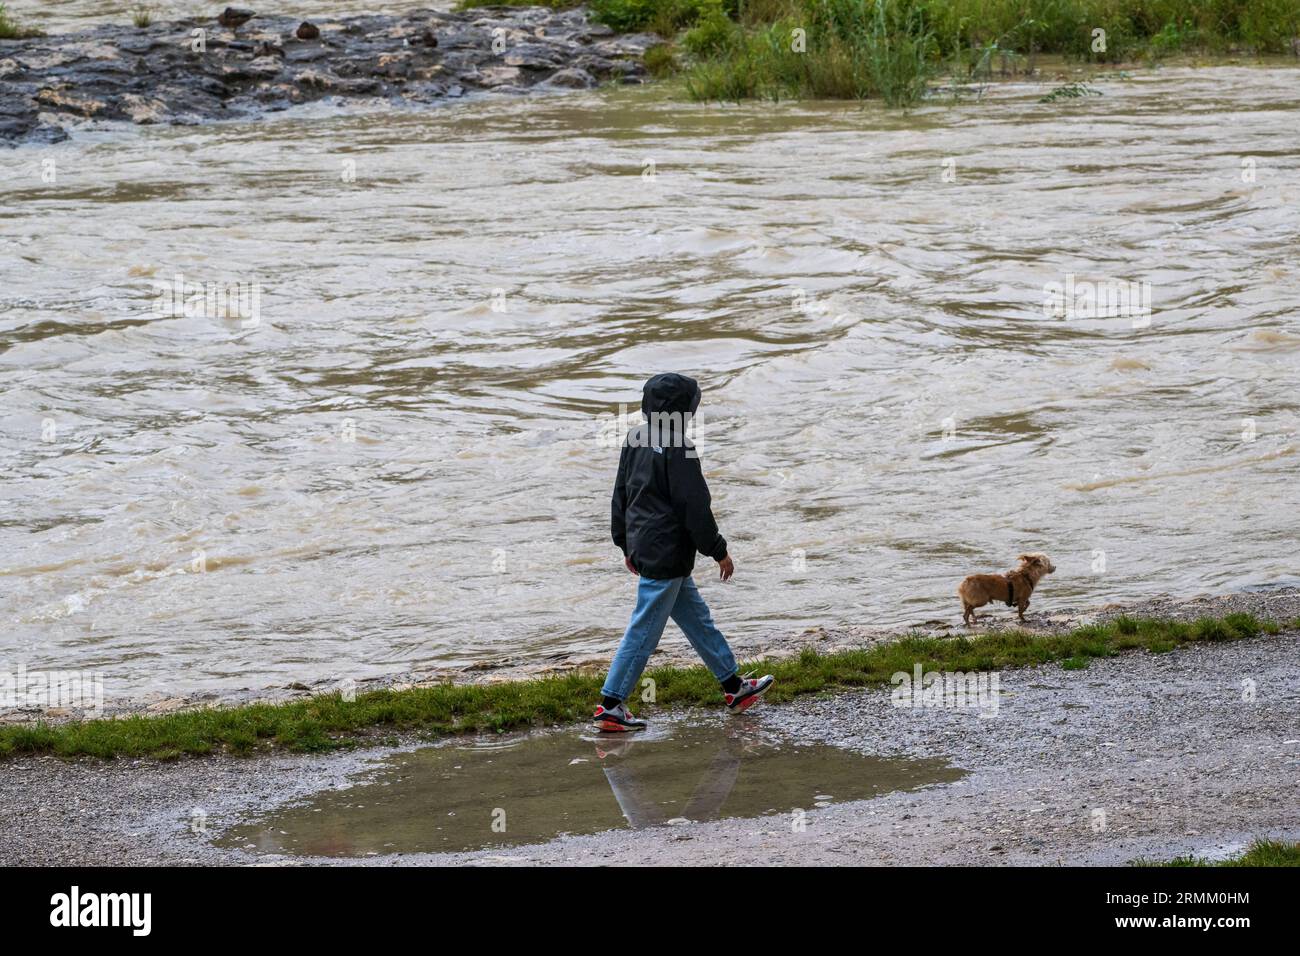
(14,106)
(466,39)
(64,98)
(136,44)
(599,65)
(360,86)
(31,131)
(306,54)
(533,56)
(571,79)
(307,31)
(233,17)
(264,67)
(315,79)
(462,61)
(425,91)
(392,65)
(495,76)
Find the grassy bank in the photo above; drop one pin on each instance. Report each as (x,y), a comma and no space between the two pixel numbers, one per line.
(732,50)
(1259,853)
(11,29)
(326,722)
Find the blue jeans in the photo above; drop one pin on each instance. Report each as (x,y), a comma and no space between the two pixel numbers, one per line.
(658,599)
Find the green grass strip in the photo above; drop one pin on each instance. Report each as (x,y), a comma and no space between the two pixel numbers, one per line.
(1260,853)
(11,29)
(328,721)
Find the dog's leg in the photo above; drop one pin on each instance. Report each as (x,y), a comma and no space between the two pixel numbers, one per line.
(967,614)
(1021,608)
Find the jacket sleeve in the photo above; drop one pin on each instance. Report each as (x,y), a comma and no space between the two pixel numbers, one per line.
(693,504)
(618,504)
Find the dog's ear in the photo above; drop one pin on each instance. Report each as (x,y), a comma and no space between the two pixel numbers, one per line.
(1027,559)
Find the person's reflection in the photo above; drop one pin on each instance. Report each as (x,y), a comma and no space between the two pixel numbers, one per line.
(634,784)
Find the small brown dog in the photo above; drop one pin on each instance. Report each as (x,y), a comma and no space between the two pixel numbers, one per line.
(1014,587)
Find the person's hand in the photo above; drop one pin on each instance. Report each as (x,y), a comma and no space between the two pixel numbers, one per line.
(726,569)
(627,563)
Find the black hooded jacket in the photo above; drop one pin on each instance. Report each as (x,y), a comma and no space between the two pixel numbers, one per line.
(661,511)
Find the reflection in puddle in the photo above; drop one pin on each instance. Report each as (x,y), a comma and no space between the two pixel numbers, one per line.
(530,789)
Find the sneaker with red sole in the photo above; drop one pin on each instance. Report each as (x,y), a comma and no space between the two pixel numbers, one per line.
(748,693)
(616,720)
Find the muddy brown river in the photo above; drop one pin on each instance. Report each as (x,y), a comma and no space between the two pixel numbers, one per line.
(404,459)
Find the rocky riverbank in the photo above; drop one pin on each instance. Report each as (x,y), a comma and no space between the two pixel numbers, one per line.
(227,67)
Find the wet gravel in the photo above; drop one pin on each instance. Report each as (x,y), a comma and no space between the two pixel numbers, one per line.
(1197,750)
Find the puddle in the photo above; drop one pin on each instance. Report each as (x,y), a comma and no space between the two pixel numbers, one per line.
(530,789)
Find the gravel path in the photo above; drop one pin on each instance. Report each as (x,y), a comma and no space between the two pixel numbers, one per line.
(1140,755)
